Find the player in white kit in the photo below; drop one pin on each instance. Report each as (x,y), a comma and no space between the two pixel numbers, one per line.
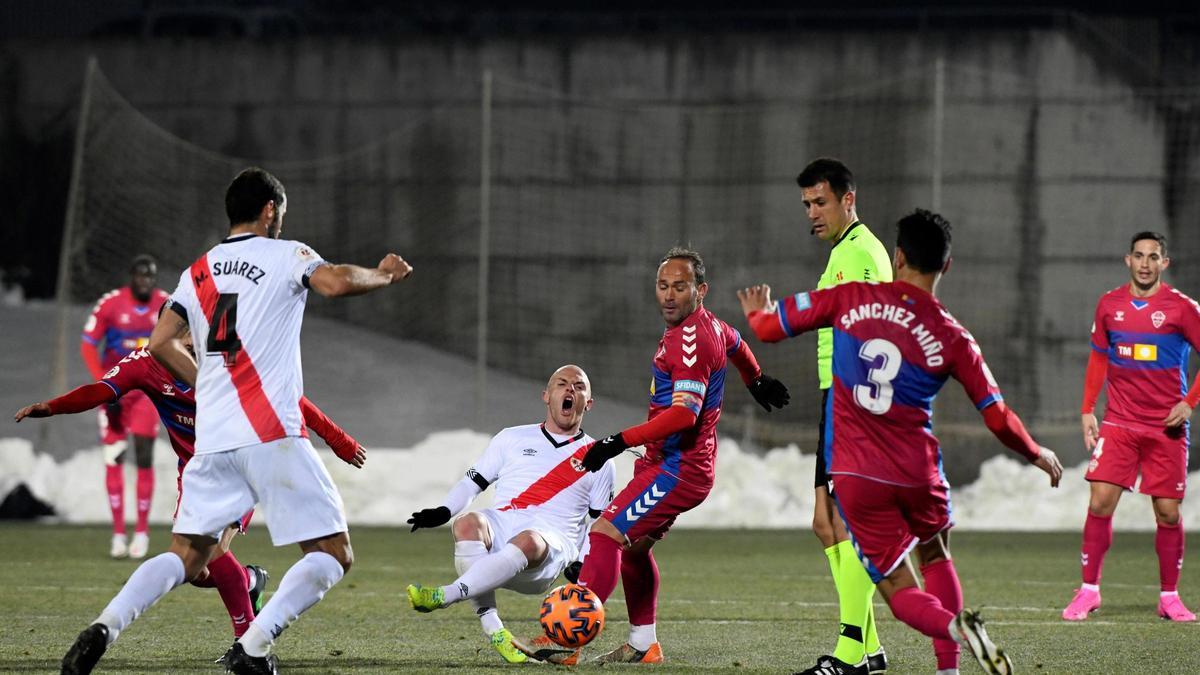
(539,521)
(244,302)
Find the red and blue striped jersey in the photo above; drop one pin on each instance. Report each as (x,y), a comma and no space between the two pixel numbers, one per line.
(122,322)
(689,366)
(894,346)
(1147,341)
(174,400)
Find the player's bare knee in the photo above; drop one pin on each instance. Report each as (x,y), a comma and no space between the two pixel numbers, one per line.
(532,545)
(602,526)
(1102,506)
(193,552)
(1166,512)
(469,527)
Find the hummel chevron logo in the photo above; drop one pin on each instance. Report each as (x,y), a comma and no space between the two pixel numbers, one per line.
(689,338)
(689,329)
(689,361)
(688,349)
(644,503)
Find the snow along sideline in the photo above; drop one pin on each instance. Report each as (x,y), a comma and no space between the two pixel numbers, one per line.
(768,491)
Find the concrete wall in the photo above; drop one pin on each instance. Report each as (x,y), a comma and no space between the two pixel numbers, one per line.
(608,150)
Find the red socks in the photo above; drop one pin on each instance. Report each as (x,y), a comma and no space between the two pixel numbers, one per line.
(231,579)
(1097,538)
(145,492)
(114,482)
(639,577)
(941,581)
(1168,542)
(922,611)
(602,565)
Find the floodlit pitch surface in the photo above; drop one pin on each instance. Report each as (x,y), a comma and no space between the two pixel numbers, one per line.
(732,601)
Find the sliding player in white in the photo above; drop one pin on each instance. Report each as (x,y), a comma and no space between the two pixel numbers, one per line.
(544,499)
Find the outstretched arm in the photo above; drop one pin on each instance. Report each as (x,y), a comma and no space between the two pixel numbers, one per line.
(334,281)
(75,401)
(456,500)
(343,444)
(1007,427)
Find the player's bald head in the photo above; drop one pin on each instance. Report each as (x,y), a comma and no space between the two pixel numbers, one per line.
(570,372)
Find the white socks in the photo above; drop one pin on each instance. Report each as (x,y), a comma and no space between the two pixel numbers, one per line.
(641,637)
(1090,587)
(486,574)
(947,671)
(302,587)
(149,582)
(466,554)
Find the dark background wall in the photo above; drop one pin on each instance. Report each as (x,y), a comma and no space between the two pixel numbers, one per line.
(618,133)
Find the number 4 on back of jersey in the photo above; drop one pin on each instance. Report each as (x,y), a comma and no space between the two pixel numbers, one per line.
(222,329)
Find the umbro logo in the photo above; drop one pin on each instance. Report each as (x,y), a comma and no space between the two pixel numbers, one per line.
(529,452)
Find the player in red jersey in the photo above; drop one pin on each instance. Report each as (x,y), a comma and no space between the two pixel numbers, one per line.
(122,320)
(1140,344)
(240,588)
(676,473)
(894,346)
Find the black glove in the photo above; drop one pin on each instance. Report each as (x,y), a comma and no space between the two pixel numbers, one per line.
(604,450)
(769,391)
(429,518)
(572,571)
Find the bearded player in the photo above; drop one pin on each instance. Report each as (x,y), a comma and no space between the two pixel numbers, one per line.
(241,588)
(677,471)
(544,500)
(122,321)
(1140,344)
(894,346)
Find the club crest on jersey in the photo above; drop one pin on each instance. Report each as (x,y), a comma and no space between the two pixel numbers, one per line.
(577,464)
(1158,319)
(168,389)
(112,373)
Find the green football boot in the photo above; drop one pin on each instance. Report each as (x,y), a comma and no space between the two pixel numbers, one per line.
(426,599)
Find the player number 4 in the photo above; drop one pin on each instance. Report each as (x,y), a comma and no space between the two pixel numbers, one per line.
(222,329)
(876,397)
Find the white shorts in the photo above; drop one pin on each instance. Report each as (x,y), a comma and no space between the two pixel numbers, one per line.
(285,477)
(532,581)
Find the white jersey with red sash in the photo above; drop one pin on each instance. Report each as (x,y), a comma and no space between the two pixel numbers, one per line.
(536,471)
(244,301)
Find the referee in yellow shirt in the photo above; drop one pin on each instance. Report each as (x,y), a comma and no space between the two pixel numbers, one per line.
(827,187)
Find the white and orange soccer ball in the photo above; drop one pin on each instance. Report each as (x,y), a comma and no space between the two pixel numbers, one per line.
(572,615)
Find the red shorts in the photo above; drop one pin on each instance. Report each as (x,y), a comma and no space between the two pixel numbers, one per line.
(886,521)
(649,504)
(1160,454)
(138,417)
(241,524)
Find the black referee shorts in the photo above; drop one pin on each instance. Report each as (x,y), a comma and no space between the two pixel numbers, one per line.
(822,478)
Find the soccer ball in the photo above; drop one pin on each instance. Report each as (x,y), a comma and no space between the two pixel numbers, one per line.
(572,616)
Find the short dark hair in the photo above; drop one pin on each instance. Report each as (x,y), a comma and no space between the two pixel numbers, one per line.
(1147,234)
(924,237)
(829,170)
(249,193)
(143,260)
(684,253)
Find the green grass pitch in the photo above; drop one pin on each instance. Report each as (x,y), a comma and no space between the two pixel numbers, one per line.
(731,601)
